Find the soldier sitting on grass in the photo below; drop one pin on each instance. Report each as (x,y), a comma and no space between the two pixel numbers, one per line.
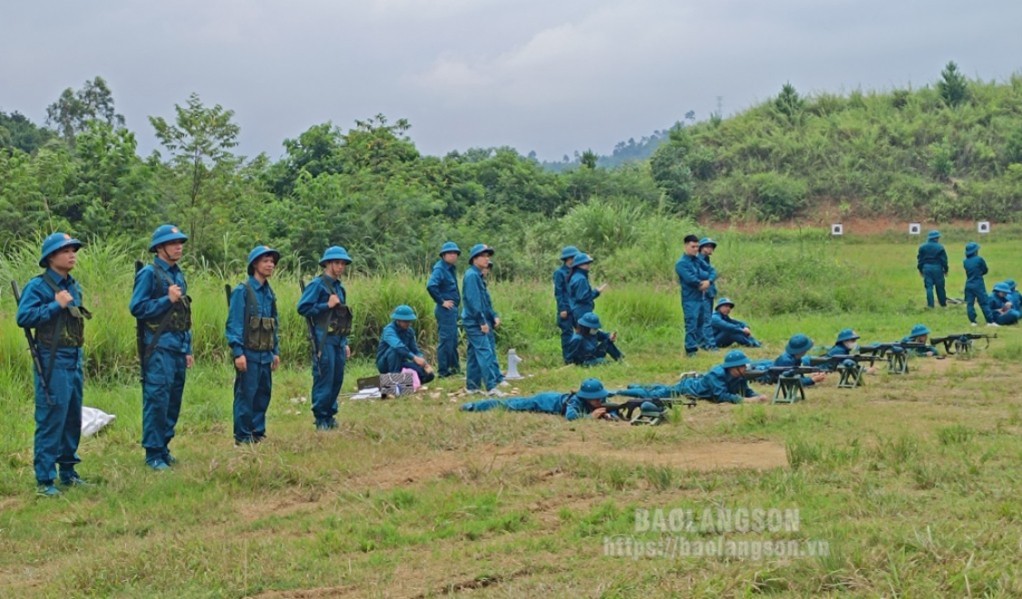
(729,331)
(589,345)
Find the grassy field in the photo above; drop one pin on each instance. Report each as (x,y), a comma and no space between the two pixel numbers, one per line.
(906,487)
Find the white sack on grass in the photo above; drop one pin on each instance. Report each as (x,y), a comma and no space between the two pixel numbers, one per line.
(93,420)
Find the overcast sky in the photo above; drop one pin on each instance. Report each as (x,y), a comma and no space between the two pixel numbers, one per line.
(552,76)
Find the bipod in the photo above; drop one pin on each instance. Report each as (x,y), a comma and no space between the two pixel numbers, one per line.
(849,375)
(897,361)
(789,389)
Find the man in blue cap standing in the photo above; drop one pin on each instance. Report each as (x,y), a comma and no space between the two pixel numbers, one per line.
(325,302)
(478,318)
(975,288)
(252,333)
(729,331)
(931,261)
(443,288)
(706,249)
(160,301)
(694,282)
(52,305)
(398,349)
(561,277)
(581,295)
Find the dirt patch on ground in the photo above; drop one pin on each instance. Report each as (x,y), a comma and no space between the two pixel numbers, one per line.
(704,457)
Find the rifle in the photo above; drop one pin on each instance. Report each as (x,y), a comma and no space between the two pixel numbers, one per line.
(227,291)
(313,339)
(849,375)
(788,378)
(632,408)
(961,343)
(140,335)
(33,348)
(882,349)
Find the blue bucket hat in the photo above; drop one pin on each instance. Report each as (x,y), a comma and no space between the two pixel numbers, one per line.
(57,241)
(846,335)
(1010,283)
(403,312)
(734,359)
(589,320)
(448,247)
(707,241)
(935,234)
(724,302)
(919,330)
(798,344)
(971,248)
(569,251)
(335,252)
(1002,287)
(582,258)
(165,234)
(479,248)
(592,389)
(259,252)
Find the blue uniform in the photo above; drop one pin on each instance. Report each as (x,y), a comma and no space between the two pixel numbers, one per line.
(567,324)
(1008,317)
(166,367)
(710,341)
(931,261)
(328,374)
(717,386)
(443,286)
(481,368)
(789,360)
(690,275)
(729,331)
(58,415)
(252,388)
(975,287)
(920,351)
(590,350)
(568,405)
(581,295)
(397,350)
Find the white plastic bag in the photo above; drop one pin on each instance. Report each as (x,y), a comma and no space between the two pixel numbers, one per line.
(93,420)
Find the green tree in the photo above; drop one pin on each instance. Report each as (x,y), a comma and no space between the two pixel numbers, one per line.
(953,87)
(789,104)
(669,169)
(74,109)
(16,131)
(200,140)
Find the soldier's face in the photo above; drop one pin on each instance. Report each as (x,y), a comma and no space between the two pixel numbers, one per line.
(63,260)
(172,251)
(707,250)
(335,268)
(725,309)
(692,248)
(265,266)
(451,257)
(403,324)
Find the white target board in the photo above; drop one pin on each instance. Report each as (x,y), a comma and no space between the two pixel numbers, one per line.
(915,229)
(837,229)
(983,226)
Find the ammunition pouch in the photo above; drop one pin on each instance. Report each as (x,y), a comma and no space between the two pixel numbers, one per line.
(337,321)
(259,333)
(66,330)
(178,319)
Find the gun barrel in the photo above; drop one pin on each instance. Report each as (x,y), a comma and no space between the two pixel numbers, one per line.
(33,349)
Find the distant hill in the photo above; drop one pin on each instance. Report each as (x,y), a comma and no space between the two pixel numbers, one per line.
(624,152)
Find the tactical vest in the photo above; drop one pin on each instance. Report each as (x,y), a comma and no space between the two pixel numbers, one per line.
(67,329)
(258,329)
(336,321)
(179,318)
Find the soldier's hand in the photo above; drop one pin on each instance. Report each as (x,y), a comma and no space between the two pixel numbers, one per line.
(189,361)
(602,287)
(448,304)
(817,377)
(276,363)
(564,315)
(599,412)
(496,323)
(419,360)
(63,298)
(174,293)
(240,363)
(747,331)
(347,352)
(613,336)
(704,285)
(333,300)
(485,328)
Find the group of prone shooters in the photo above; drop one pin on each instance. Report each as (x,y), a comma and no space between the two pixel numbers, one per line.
(728,382)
